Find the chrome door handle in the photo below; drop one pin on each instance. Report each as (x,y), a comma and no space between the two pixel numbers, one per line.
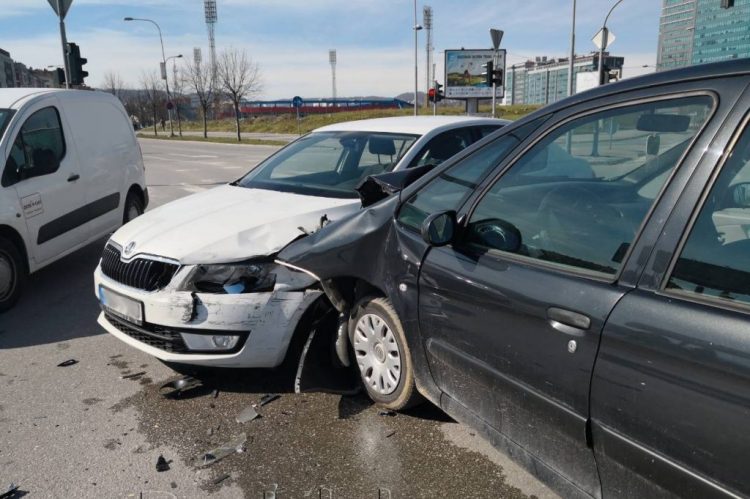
(567,321)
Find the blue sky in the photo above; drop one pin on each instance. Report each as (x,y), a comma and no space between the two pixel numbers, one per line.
(290,39)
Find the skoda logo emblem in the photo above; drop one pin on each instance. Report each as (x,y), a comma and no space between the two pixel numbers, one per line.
(130,247)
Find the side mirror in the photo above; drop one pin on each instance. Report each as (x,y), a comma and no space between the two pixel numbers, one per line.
(438,229)
(741,195)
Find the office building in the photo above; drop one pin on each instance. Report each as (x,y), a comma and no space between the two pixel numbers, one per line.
(701,31)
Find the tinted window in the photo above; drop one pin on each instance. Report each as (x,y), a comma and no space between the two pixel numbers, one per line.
(5,115)
(329,163)
(38,148)
(715,260)
(443,146)
(449,190)
(579,196)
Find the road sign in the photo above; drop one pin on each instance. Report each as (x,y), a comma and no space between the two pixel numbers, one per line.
(64,4)
(170,106)
(297,101)
(599,39)
(497,36)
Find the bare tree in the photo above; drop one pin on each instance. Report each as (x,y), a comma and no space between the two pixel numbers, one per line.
(152,91)
(239,77)
(198,78)
(113,84)
(178,84)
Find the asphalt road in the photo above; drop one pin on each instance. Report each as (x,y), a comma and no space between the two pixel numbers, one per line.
(85,431)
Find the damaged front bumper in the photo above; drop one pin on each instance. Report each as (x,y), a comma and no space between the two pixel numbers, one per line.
(254,329)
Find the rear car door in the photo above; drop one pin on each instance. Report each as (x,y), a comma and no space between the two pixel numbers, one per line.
(42,167)
(512,311)
(670,395)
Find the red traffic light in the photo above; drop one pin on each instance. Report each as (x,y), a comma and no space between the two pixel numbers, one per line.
(431,94)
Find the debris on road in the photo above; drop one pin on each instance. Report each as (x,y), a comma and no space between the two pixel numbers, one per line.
(162,464)
(215,393)
(247,414)
(178,386)
(268,398)
(66,363)
(234,446)
(390,434)
(10,491)
(134,375)
(221,479)
(386,412)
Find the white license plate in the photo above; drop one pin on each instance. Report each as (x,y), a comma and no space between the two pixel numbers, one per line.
(121,306)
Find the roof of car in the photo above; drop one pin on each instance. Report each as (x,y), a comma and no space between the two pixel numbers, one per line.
(14,97)
(408,124)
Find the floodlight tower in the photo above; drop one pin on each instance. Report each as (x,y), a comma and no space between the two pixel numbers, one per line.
(197,56)
(332,60)
(427,22)
(210,10)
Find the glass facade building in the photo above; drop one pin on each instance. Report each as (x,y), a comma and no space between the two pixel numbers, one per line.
(545,81)
(700,31)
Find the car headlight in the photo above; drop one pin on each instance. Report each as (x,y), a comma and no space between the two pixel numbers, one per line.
(234,278)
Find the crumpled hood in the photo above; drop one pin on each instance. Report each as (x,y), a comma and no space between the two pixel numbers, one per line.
(228,223)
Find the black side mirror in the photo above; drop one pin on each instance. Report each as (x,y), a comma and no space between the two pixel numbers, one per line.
(439,228)
(741,195)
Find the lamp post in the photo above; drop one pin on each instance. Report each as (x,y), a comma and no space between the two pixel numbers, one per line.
(571,62)
(163,66)
(605,36)
(417,27)
(174,73)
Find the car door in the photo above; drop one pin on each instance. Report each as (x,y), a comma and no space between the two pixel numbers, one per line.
(42,167)
(512,310)
(670,399)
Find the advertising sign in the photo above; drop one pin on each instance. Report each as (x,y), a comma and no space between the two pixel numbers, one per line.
(463,74)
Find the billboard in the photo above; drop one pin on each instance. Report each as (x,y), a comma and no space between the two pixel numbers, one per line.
(463,74)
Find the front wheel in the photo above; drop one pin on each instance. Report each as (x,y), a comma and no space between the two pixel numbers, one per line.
(12,274)
(382,354)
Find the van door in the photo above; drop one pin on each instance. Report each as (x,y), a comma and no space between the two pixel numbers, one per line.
(106,150)
(43,169)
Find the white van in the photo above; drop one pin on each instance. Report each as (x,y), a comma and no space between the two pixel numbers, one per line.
(71,172)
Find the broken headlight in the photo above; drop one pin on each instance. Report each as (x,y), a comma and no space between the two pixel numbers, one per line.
(234,278)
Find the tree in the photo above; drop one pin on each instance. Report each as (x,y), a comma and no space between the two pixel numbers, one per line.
(155,98)
(177,87)
(239,77)
(199,78)
(113,84)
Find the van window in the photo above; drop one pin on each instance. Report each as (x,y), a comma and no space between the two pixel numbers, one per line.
(38,149)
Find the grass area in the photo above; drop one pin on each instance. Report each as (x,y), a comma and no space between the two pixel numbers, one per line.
(218,140)
(288,123)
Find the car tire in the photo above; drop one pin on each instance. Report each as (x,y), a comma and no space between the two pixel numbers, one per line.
(12,274)
(133,208)
(382,355)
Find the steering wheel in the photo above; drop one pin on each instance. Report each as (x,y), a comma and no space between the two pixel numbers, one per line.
(568,214)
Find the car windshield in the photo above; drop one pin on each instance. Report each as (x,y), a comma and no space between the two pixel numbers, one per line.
(329,164)
(5,115)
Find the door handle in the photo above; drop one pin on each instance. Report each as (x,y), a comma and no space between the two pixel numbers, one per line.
(567,321)
(73,177)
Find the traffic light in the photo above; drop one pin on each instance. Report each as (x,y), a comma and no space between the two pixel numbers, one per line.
(439,94)
(431,95)
(497,77)
(488,73)
(60,77)
(75,65)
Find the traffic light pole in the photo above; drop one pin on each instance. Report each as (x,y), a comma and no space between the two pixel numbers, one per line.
(434,101)
(494,83)
(64,41)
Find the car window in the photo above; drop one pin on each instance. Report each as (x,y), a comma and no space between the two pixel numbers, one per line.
(715,260)
(486,130)
(38,148)
(451,188)
(329,163)
(442,147)
(579,196)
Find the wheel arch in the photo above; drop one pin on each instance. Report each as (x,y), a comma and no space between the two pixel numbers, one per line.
(14,237)
(136,190)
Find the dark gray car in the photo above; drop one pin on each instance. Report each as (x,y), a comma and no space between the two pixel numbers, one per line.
(576,287)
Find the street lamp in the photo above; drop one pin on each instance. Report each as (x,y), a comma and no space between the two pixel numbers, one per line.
(164,62)
(571,62)
(417,27)
(605,36)
(177,110)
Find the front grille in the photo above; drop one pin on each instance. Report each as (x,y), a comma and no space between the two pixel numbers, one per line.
(141,273)
(155,336)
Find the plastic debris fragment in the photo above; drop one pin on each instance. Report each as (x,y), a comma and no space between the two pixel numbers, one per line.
(247,414)
(66,363)
(162,464)
(235,445)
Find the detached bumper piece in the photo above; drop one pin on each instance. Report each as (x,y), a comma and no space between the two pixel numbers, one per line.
(170,339)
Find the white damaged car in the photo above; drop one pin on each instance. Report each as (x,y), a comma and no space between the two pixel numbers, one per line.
(195,282)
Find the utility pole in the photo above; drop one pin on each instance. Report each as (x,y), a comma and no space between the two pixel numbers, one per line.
(417,27)
(332,60)
(571,62)
(427,22)
(605,41)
